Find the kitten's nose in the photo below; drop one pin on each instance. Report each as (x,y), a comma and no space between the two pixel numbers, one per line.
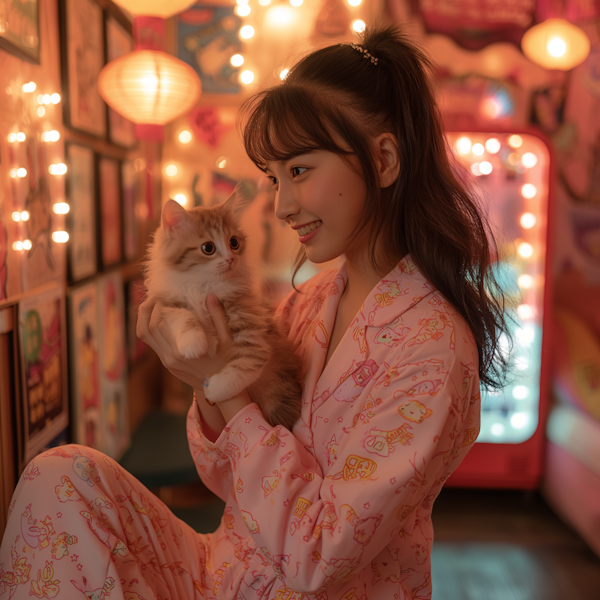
(230,260)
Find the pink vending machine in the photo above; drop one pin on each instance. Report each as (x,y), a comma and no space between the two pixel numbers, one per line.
(514,172)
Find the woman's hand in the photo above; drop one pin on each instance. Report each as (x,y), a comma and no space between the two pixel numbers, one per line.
(153,330)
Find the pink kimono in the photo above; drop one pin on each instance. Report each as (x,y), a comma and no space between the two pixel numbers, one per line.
(337,509)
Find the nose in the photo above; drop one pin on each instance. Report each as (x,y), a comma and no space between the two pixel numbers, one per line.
(286,206)
(230,259)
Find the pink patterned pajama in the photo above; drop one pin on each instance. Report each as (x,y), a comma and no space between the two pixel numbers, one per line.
(339,508)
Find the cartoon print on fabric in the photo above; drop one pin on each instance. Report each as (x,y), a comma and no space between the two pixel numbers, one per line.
(84,468)
(65,492)
(45,586)
(414,411)
(431,328)
(61,543)
(20,574)
(353,386)
(100,593)
(36,532)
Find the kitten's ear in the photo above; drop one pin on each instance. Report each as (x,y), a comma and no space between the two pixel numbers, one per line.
(241,197)
(174,216)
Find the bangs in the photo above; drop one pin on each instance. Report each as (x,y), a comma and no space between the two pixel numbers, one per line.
(286,121)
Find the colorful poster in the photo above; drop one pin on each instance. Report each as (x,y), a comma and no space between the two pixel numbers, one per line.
(118,42)
(81,217)
(113,365)
(208,37)
(85,374)
(475,25)
(110,211)
(20,29)
(43,369)
(83,59)
(130,188)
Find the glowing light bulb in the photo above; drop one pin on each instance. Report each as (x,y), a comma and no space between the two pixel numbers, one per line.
(27,244)
(296,2)
(50,136)
(223,162)
(497,429)
(55,98)
(519,420)
(463,145)
(171,170)
(528,191)
(16,216)
(283,74)
(527,220)
(477,149)
(556,47)
(57,169)
(243,10)
(485,167)
(520,392)
(60,237)
(521,363)
(21,137)
(181,198)
(40,99)
(185,137)
(241,2)
(24,215)
(525,311)
(264,2)
(47,99)
(246,32)
(525,335)
(12,137)
(29,87)
(41,111)
(60,208)
(18,246)
(475,169)
(21,172)
(247,77)
(354,2)
(525,250)
(525,281)
(515,141)
(237,60)
(492,145)
(358,25)
(529,160)
(280,16)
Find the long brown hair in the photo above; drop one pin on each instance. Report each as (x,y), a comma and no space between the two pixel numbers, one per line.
(430,212)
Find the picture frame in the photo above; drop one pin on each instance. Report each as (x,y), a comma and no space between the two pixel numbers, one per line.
(81,220)
(118,42)
(109,212)
(82,59)
(130,186)
(86,404)
(20,31)
(113,364)
(42,349)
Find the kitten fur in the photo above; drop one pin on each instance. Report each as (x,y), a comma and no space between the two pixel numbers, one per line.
(180,275)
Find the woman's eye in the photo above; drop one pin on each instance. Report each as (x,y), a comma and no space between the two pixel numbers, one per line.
(296,171)
(234,243)
(272,179)
(208,248)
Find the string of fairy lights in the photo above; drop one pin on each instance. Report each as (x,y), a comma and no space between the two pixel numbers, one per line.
(57,169)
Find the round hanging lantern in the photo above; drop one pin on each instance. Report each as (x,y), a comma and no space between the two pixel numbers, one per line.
(154,8)
(556,44)
(149,86)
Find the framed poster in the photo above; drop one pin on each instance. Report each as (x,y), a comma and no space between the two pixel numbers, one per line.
(110,211)
(113,365)
(129,188)
(82,51)
(20,29)
(81,219)
(43,369)
(84,366)
(208,37)
(118,42)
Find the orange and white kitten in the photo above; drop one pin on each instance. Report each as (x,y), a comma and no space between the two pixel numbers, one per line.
(201,251)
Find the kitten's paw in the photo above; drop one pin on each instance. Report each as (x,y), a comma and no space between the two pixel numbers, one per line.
(192,343)
(220,387)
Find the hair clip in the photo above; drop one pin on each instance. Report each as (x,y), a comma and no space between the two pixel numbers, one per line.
(365,53)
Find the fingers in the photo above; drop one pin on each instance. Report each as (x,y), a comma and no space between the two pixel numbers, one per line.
(217,314)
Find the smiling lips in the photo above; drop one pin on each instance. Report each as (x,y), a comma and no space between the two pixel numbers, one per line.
(308,228)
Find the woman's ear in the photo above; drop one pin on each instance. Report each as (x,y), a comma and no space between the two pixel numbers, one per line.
(387,159)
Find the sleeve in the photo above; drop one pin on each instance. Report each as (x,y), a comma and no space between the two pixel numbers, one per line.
(320,530)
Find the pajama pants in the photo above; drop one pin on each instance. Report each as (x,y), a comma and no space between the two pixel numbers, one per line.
(82,527)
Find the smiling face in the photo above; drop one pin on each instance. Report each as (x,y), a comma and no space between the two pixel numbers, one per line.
(322,197)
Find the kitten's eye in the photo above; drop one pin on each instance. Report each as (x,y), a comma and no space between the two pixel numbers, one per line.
(234,243)
(208,248)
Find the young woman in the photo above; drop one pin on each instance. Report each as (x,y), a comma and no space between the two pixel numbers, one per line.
(394,345)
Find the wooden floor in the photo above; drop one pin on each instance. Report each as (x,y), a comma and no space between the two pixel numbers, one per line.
(505,545)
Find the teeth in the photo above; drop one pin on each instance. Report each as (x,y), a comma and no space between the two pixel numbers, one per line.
(310,227)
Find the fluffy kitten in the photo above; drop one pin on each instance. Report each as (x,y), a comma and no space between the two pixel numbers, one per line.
(201,251)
